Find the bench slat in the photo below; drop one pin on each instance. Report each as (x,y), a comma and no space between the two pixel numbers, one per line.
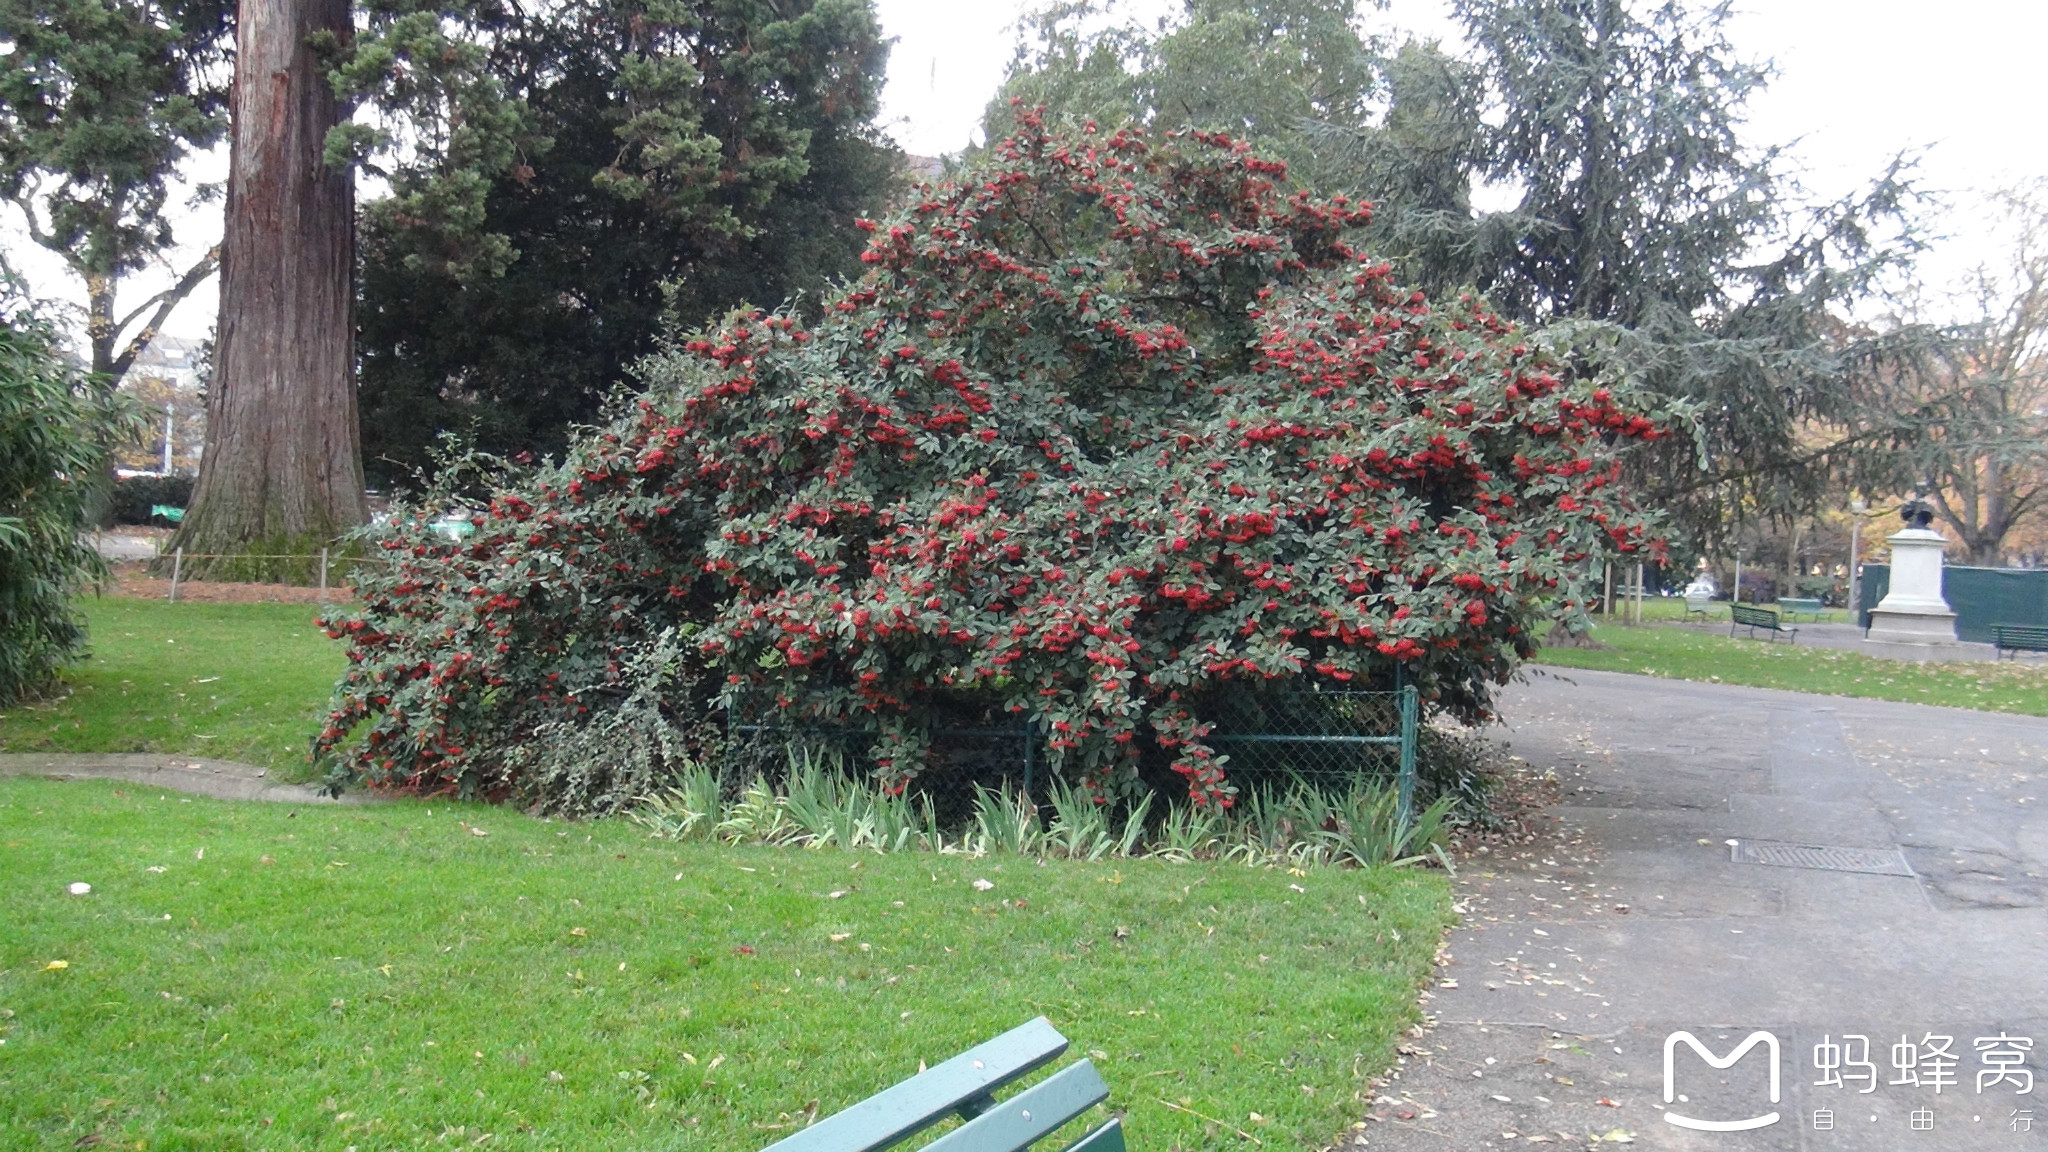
(1109,1137)
(1033,1113)
(897,1113)
(1744,616)
(2019,638)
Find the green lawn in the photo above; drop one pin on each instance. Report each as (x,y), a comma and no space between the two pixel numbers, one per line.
(414,975)
(245,682)
(1681,653)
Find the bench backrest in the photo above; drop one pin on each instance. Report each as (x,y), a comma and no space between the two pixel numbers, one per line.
(2017,634)
(1759,617)
(966,1085)
(1697,601)
(1798,605)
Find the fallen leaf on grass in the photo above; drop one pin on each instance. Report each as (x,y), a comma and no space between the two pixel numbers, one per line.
(981,885)
(80,888)
(836,937)
(56,965)
(579,932)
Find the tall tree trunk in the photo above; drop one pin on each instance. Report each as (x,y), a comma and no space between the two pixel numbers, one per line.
(283,472)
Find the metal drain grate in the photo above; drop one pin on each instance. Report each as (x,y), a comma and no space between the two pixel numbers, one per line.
(1882,861)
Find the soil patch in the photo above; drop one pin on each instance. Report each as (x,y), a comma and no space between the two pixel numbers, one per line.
(133,581)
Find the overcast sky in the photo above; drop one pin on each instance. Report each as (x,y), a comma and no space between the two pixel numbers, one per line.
(1857,81)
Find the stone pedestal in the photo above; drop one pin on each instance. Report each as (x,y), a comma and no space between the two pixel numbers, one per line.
(1913,611)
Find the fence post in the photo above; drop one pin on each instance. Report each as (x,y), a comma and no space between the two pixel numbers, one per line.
(1406,809)
(1030,743)
(323,575)
(177,567)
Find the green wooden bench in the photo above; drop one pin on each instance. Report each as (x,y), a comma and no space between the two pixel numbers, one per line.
(2012,639)
(966,1086)
(1793,606)
(1698,604)
(1746,616)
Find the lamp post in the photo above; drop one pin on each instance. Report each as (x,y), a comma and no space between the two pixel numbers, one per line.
(1856,510)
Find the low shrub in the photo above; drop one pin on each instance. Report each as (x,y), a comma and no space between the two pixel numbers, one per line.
(134,496)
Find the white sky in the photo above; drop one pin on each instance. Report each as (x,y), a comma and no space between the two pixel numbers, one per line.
(1858,80)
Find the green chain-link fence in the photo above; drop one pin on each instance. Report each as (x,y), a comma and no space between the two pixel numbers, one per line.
(1274,742)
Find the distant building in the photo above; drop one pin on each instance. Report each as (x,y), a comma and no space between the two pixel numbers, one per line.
(167,380)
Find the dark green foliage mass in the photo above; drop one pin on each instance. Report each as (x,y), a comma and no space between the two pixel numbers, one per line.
(663,159)
(54,435)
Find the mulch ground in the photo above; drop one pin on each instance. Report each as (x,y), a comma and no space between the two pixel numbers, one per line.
(133,581)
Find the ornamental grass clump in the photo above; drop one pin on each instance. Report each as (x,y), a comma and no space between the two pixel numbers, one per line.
(1112,426)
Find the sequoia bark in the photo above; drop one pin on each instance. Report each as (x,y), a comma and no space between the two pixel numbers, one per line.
(282,471)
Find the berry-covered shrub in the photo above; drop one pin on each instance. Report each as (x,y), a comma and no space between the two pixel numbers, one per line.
(1110,426)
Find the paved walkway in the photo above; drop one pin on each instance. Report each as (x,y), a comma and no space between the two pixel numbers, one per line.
(1574,964)
(222,779)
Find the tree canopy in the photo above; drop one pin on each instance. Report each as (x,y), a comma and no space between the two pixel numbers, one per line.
(101,104)
(669,160)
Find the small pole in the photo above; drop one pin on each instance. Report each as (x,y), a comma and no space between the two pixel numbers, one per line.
(1607,596)
(1856,510)
(177,568)
(1405,810)
(1639,593)
(323,575)
(1028,742)
(1736,597)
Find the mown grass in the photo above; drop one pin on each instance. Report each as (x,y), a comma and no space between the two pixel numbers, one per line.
(1680,653)
(245,682)
(422,974)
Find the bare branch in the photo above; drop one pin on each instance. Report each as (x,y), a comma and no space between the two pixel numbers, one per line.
(165,301)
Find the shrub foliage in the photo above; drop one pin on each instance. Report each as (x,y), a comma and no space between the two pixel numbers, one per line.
(1110,426)
(136,496)
(55,430)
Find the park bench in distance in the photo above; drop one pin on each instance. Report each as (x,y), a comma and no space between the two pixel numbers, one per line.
(1794,606)
(2012,639)
(1698,604)
(1744,616)
(966,1085)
